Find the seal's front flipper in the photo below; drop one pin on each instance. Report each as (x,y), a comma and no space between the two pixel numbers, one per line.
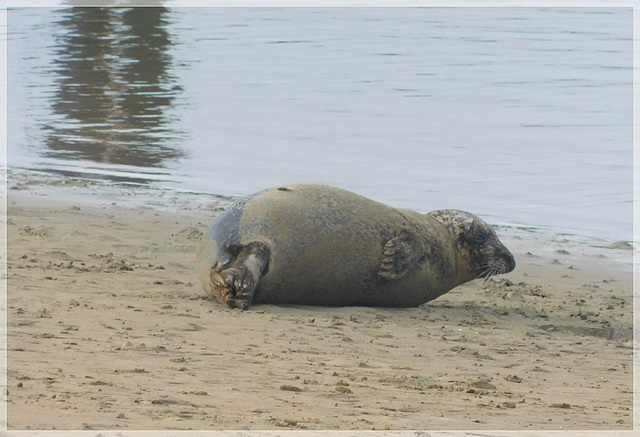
(400,255)
(235,282)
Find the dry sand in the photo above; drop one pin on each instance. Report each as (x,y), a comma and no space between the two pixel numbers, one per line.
(109,329)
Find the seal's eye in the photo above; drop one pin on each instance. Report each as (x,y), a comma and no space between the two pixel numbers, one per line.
(479,238)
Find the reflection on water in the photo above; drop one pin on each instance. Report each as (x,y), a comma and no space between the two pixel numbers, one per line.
(523,115)
(113,87)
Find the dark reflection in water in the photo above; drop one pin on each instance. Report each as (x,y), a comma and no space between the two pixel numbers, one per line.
(114,88)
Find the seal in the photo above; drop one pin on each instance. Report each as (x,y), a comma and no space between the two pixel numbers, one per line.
(319,245)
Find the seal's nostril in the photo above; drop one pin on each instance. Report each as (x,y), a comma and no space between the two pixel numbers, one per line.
(511,261)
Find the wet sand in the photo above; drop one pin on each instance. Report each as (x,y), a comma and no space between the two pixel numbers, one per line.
(109,329)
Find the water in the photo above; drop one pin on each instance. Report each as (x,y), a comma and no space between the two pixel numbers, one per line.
(521,115)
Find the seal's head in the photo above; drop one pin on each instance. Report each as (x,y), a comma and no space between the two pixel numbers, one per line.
(476,243)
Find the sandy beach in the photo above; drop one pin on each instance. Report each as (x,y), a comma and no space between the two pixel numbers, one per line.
(108,329)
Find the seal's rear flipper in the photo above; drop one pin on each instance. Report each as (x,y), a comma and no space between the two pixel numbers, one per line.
(234,283)
(400,255)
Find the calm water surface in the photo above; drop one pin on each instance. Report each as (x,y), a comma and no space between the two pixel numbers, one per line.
(521,115)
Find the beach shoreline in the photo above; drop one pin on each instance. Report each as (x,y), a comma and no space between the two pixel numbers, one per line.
(109,329)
